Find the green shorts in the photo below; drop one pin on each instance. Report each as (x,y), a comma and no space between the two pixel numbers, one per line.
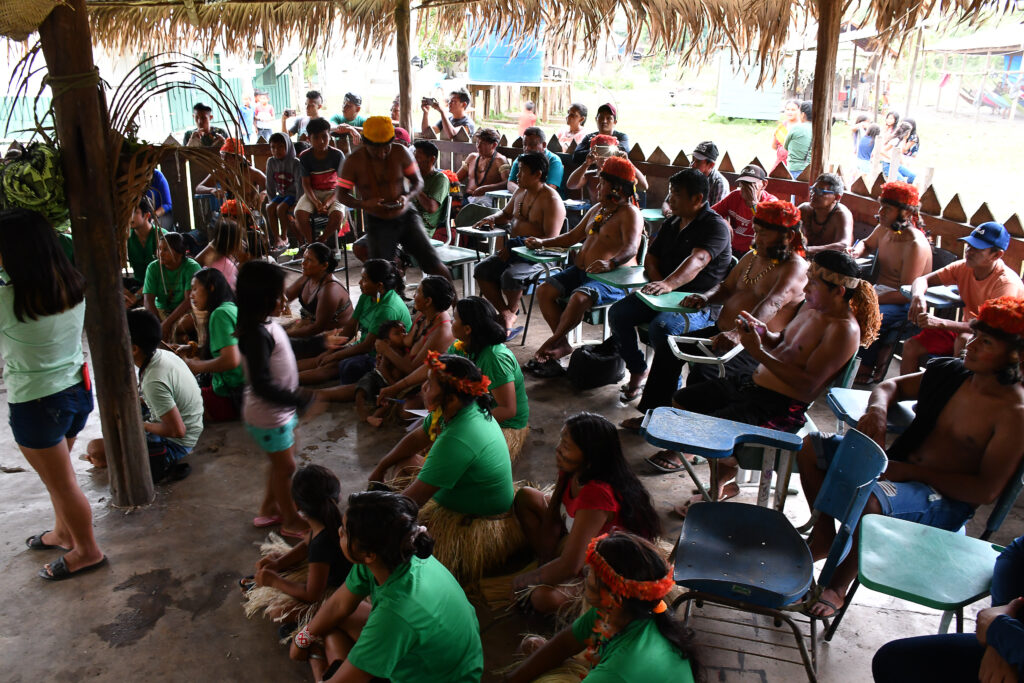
(275,439)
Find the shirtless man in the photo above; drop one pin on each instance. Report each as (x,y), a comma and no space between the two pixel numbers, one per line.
(903,255)
(481,173)
(839,314)
(961,450)
(378,170)
(827,223)
(768,282)
(535,210)
(610,233)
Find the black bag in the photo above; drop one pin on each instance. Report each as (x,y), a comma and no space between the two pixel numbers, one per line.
(162,466)
(595,366)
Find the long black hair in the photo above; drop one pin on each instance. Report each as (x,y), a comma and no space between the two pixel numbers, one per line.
(324,255)
(145,332)
(218,292)
(598,440)
(228,238)
(635,558)
(487,324)
(258,290)
(386,524)
(463,368)
(439,290)
(316,492)
(45,282)
(385,273)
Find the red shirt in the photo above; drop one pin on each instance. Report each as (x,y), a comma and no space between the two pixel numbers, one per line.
(594,495)
(741,219)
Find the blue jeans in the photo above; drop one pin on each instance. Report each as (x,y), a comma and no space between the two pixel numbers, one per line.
(904,172)
(625,315)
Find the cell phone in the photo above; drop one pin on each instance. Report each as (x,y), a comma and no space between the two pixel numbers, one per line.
(603,150)
(429,102)
(289,113)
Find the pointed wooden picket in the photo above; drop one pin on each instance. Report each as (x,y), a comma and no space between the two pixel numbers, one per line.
(554,145)
(725,164)
(658,157)
(429,135)
(1013,226)
(681,159)
(503,142)
(781,172)
(572,147)
(860,187)
(636,155)
(930,202)
(954,211)
(805,175)
(757,162)
(462,135)
(982,215)
(876,187)
(171,141)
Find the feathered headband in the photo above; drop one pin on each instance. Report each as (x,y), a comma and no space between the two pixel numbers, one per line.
(461,385)
(621,586)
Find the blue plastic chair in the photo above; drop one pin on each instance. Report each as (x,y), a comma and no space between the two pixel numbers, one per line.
(751,559)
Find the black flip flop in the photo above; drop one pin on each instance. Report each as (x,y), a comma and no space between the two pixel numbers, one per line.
(59,570)
(661,468)
(36,542)
(549,368)
(532,365)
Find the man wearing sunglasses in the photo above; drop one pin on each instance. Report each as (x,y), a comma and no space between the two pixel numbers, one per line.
(827,223)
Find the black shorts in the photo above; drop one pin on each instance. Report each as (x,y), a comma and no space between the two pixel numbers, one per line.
(384,235)
(740,400)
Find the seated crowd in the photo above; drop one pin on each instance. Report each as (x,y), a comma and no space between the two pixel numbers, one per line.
(378,588)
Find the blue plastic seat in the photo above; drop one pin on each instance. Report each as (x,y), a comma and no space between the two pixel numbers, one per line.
(750,558)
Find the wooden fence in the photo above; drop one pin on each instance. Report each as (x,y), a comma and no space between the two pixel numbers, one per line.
(946,223)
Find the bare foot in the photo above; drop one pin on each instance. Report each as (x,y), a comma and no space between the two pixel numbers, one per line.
(531,644)
(559,350)
(374,421)
(827,605)
(730,490)
(510,319)
(820,544)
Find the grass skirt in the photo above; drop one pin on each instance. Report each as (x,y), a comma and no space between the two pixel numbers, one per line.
(515,438)
(469,545)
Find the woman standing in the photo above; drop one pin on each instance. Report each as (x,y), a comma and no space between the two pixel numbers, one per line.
(790,117)
(42,309)
(324,303)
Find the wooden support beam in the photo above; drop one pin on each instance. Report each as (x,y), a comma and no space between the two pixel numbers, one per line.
(403,36)
(913,71)
(80,113)
(830,19)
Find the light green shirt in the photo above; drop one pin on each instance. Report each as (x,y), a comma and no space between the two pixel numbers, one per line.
(421,628)
(167,383)
(470,464)
(169,286)
(221,327)
(436,186)
(798,144)
(43,356)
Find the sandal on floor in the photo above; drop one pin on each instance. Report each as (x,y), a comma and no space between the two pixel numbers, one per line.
(264,521)
(627,395)
(58,571)
(659,457)
(36,542)
(822,601)
(549,368)
(247,583)
(513,333)
(533,365)
(292,534)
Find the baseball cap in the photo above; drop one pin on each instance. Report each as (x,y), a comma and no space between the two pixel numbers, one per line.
(402,135)
(988,235)
(706,151)
(610,108)
(752,172)
(354,99)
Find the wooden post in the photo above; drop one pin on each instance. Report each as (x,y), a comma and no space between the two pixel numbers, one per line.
(913,72)
(830,18)
(878,83)
(80,113)
(959,81)
(981,88)
(403,24)
(853,85)
(796,78)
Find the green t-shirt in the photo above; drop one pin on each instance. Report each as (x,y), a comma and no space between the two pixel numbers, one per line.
(221,328)
(435,186)
(470,463)
(371,314)
(169,286)
(421,628)
(41,356)
(798,144)
(357,122)
(167,383)
(67,245)
(141,255)
(501,366)
(636,655)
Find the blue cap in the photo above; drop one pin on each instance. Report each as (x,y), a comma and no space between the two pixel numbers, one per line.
(988,235)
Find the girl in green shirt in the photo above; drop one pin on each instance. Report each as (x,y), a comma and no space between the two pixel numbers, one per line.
(630,635)
(164,292)
(421,627)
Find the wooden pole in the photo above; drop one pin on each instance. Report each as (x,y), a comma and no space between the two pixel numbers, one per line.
(959,81)
(981,88)
(853,86)
(80,113)
(797,93)
(878,83)
(924,70)
(913,72)
(830,18)
(403,23)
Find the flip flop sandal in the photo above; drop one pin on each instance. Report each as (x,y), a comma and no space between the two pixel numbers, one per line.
(36,542)
(549,368)
(293,534)
(513,333)
(247,583)
(264,522)
(629,395)
(828,603)
(664,469)
(58,571)
(532,365)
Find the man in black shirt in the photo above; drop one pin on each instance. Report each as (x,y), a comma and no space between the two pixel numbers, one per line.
(607,119)
(690,253)
(450,122)
(204,134)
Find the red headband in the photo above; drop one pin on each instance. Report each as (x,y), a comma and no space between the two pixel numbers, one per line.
(900,194)
(777,215)
(461,385)
(620,168)
(623,587)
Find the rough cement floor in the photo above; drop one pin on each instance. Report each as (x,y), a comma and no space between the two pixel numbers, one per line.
(167,607)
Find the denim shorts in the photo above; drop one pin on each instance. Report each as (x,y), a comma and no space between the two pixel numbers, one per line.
(908,500)
(174,449)
(573,279)
(275,439)
(45,422)
(284,199)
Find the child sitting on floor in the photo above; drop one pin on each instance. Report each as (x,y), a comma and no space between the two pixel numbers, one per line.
(291,586)
(385,374)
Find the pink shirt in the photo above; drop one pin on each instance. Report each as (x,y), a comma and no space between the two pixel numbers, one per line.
(1001,282)
(567,137)
(228,269)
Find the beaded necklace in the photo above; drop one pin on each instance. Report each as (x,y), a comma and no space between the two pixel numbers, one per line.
(751,280)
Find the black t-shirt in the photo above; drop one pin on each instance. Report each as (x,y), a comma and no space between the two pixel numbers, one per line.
(462,121)
(707,231)
(207,139)
(942,378)
(583,149)
(324,548)
(322,173)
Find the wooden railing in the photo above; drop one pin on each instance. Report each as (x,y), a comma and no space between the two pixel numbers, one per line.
(946,223)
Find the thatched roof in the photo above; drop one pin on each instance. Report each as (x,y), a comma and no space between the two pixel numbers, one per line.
(692,29)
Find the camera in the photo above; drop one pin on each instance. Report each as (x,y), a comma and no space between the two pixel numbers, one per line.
(429,102)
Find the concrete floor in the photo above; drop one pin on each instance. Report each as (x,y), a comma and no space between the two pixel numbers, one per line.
(167,607)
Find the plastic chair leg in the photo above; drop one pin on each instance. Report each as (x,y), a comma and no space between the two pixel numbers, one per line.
(947,617)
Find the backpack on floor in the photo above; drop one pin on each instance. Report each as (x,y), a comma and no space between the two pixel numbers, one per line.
(593,366)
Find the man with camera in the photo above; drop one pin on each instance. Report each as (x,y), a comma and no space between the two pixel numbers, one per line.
(458,103)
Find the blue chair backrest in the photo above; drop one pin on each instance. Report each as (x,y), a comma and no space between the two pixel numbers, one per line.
(1006,501)
(855,467)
